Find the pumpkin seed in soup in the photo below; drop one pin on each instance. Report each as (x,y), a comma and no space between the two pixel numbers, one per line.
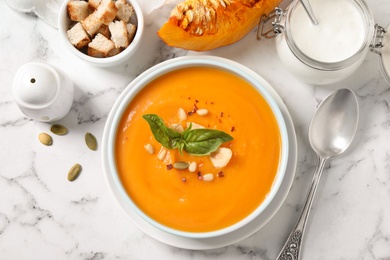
(181,165)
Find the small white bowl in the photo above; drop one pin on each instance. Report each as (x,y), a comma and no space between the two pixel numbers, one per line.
(111,128)
(64,25)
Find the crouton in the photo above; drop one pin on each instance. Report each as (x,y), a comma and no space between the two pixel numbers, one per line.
(91,24)
(95,53)
(106,11)
(78,36)
(77,10)
(119,33)
(93,4)
(131,29)
(114,52)
(104,30)
(125,10)
(100,46)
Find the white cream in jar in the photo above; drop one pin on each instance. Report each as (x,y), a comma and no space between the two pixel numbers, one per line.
(330,51)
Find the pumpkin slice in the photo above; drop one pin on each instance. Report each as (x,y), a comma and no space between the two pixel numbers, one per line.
(202,25)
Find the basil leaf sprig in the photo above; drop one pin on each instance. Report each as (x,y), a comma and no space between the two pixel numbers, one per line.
(194,141)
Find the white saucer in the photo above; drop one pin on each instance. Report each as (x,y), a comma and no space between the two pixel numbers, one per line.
(241,233)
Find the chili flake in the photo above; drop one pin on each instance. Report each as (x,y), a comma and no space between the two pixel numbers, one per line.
(220,174)
(193,110)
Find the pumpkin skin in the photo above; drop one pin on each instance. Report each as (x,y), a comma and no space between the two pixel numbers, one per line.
(202,25)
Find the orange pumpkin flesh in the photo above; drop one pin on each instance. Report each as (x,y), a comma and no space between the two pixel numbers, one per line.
(202,25)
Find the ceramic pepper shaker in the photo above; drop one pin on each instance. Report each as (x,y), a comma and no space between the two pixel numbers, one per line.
(43,92)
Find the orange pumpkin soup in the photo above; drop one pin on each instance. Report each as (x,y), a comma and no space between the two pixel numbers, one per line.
(181,199)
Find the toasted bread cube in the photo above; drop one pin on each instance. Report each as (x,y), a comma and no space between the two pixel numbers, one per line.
(91,24)
(77,10)
(93,4)
(131,29)
(106,11)
(119,33)
(78,36)
(114,52)
(104,30)
(100,45)
(95,53)
(125,10)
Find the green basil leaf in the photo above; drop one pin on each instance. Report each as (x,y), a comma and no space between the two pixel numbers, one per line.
(164,135)
(194,141)
(204,141)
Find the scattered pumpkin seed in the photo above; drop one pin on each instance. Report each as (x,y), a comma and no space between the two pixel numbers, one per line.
(74,172)
(162,153)
(181,165)
(91,142)
(59,129)
(192,167)
(208,177)
(202,112)
(182,114)
(45,139)
(149,148)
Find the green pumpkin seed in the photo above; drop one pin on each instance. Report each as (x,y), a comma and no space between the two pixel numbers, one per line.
(91,142)
(59,129)
(74,172)
(181,165)
(45,139)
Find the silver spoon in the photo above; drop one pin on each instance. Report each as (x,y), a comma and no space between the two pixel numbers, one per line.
(331,131)
(309,11)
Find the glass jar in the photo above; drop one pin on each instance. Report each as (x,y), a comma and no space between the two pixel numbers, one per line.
(330,51)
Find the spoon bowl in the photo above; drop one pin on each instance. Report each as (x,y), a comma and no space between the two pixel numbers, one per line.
(333,127)
(331,132)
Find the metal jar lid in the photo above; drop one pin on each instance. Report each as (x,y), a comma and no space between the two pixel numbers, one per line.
(381,46)
(271,25)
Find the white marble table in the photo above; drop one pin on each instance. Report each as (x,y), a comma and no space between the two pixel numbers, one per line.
(43,216)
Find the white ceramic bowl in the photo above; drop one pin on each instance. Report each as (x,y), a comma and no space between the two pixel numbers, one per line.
(138,19)
(108,156)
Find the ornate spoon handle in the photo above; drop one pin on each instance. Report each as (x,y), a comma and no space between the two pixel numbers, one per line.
(292,248)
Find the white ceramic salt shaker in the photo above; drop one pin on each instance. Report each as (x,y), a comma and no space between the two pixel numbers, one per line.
(43,92)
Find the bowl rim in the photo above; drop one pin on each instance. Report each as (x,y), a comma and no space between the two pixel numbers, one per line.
(149,75)
(63,24)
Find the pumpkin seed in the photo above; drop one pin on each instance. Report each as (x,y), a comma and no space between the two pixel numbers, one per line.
(208,177)
(59,129)
(177,128)
(162,153)
(74,172)
(181,165)
(149,148)
(192,167)
(45,139)
(91,142)
(182,114)
(202,112)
